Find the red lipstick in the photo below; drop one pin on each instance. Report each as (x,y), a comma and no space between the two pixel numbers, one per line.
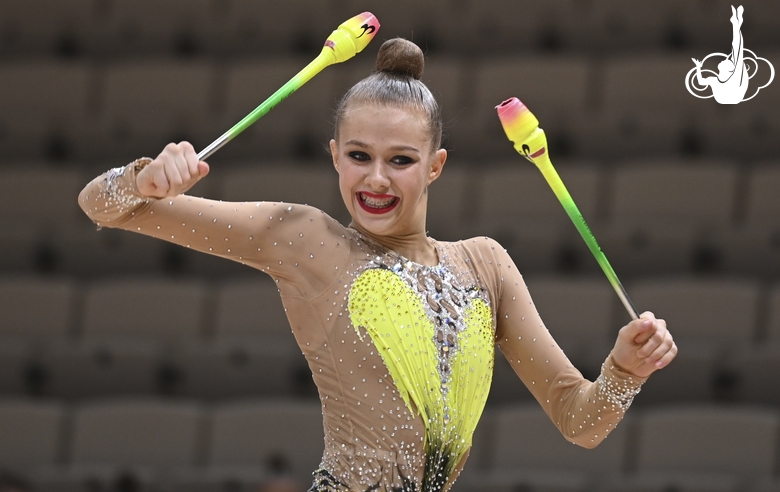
(373,209)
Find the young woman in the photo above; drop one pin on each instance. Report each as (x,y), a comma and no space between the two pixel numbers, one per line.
(398,328)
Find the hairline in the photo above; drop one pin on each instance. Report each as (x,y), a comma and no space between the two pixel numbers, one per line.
(354,103)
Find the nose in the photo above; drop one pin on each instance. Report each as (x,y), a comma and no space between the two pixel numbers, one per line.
(377,178)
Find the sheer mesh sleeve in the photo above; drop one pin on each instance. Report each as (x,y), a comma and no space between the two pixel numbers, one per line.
(297,244)
(584,411)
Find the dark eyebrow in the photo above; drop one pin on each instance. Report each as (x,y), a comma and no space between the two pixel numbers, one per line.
(397,148)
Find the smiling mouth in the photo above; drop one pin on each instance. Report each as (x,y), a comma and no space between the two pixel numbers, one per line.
(376,204)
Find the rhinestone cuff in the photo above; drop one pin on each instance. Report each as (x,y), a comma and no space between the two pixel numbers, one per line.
(119,186)
(618,387)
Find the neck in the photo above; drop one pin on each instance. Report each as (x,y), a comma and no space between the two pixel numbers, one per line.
(416,246)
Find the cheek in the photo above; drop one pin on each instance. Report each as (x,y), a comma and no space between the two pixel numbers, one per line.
(348,178)
(411,188)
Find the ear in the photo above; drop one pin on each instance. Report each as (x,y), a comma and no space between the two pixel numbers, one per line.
(334,154)
(439,158)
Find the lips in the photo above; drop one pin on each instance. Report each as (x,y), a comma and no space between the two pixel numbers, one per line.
(376,204)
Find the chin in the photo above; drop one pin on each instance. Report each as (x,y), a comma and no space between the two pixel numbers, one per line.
(374,227)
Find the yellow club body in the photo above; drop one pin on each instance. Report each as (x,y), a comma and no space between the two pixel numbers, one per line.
(522,129)
(350,38)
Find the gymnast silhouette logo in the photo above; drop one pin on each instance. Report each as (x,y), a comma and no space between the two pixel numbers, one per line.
(735,70)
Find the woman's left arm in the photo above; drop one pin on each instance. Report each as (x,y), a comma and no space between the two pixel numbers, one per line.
(584,411)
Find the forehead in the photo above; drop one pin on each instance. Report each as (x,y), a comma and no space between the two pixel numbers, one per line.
(377,124)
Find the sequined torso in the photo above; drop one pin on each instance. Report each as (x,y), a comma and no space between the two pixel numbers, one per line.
(431,329)
(401,354)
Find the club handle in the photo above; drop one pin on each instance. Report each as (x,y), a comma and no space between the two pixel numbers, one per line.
(309,71)
(554,180)
(214,146)
(522,129)
(350,38)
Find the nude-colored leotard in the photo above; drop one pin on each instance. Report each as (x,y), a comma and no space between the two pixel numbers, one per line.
(402,354)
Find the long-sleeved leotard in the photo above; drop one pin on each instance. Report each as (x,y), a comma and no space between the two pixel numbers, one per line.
(402,354)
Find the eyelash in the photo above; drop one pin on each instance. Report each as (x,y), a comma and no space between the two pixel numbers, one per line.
(400,160)
(359,156)
(404,160)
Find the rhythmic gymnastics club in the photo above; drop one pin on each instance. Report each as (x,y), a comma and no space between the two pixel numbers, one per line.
(522,128)
(350,38)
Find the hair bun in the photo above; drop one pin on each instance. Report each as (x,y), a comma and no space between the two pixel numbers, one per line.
(400,56)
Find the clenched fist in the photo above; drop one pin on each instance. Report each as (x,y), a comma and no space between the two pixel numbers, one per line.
(172,173)
(644,345)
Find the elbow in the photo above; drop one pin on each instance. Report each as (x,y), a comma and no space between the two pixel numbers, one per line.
(589,444)
(586,435)
(86,202)
(92,205)
(83,200)
(586,441)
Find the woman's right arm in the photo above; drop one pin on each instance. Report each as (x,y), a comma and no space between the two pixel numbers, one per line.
(287,241)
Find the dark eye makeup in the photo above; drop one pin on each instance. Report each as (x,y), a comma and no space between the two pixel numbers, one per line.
(399,160)
(402,160)
(359,156)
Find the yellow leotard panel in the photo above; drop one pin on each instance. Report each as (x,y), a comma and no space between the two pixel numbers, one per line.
(386,307)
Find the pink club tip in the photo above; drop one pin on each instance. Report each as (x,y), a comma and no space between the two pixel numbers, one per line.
(517,119)
(511,110)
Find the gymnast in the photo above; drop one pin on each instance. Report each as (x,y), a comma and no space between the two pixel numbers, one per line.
(731,84)
(398,328)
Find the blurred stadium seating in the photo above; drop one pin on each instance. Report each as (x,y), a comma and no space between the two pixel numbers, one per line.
(682,194)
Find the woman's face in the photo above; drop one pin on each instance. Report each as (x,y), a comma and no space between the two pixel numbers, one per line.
(385,163)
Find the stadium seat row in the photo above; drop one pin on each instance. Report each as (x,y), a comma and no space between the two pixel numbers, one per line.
(617,107)
(694,448)
(186,27)
(65,448)
(714,215)
(184,444)
(717,310)
(232,339)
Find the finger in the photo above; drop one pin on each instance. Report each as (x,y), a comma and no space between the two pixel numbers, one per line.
(203,169)
(173,174)
(192,159)
(642,328)
(652,344)
(652,338)
(160,181)
(643,332)
(661,350)
(182,166)
(668,357)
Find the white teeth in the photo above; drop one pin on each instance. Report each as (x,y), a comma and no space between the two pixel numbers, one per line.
(374,203)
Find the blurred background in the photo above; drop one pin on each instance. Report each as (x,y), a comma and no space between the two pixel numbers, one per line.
(213,395)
